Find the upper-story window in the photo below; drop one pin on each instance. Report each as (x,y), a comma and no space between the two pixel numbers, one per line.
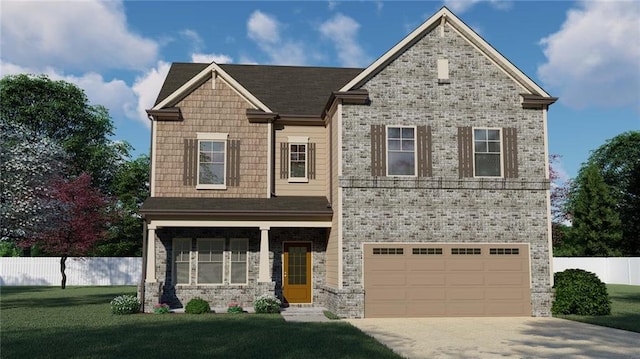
(487,152)
(401,153)
(298,158)
(212,149)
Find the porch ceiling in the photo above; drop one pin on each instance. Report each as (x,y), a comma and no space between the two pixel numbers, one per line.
(286,207)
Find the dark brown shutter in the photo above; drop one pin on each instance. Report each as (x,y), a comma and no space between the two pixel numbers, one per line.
(510,148)
(190,159)
(311,165)
(233,163)
(378,151)
(424,151)
(284,160)
(465,152)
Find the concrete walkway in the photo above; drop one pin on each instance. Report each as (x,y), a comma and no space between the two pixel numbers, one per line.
(304,314)
(500,338)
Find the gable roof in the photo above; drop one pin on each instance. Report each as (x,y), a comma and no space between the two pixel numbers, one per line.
(294,90)
(445,16)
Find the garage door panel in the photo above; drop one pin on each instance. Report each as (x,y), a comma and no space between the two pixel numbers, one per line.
(426,263)
(389,279)
(425,294)
(393,264)
(460,279)
(426,282)
(466,293)
(508,278)
(457,264)
(515,265)
(502,293)
(426,279)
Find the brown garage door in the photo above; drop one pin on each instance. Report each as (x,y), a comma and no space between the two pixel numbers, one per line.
(429,280)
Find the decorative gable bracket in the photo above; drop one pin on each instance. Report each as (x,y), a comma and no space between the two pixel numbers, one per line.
(536,102)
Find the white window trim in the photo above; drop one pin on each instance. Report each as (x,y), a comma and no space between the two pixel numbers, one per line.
(246,276)
(299,140)
(174,277)
(473,141)
(221,137)
(223,261)
(415,153)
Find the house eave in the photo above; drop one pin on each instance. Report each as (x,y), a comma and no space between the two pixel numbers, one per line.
(165,114)
(537,102)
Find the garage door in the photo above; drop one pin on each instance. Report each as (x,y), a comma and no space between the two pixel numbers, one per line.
(429,280)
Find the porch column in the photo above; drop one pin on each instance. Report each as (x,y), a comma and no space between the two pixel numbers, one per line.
(151,256)
(263,273)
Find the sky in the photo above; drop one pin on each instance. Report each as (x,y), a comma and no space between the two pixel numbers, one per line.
(587,53)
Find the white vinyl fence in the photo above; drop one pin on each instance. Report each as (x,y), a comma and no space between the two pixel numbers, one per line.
(45,271)
(610,270)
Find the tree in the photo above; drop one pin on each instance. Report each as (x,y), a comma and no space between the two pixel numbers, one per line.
(60,111)
(596,226)
(559,192)
(131,187)
(28,164)
(618,160)
(80,220)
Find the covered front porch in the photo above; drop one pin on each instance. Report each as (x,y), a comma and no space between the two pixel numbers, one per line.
(234,250)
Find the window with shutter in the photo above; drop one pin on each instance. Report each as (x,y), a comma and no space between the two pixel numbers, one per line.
(401,151)
(211,161)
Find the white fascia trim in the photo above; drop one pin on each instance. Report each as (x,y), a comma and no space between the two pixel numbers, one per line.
(270,164)
(467,33)
(204,75)
(338,211)
(154,224)
(298,139)
(212,136)
(154,147)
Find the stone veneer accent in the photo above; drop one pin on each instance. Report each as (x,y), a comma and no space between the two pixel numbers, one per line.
(165,291)
(442,208)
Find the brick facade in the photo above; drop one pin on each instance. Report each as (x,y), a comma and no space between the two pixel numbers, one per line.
(443,208)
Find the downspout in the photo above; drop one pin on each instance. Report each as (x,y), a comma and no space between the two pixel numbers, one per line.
(143,278)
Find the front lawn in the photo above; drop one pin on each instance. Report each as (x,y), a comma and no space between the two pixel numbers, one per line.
(625,309)
(48,322)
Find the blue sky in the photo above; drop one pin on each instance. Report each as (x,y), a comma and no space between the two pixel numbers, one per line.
(585,52)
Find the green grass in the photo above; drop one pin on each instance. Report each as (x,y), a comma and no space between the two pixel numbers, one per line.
(48,322)
(625,309)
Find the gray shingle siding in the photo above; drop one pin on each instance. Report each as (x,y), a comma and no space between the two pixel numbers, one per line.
(444,207)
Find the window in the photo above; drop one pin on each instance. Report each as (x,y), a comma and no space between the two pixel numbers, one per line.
(401,159)
(239,247)
(212,151)
(298,158)
(486,149)
(504,251)
(427,251)
(218,261)
(472,251)
(210,260)
(394,251)
(181,258)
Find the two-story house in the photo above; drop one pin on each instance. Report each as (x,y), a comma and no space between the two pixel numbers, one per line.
(417,186)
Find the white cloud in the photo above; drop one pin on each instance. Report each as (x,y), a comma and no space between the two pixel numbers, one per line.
(147,87)
(594,59)
(75,35)
(263,28)
(194,38)
(460,6)
(343,31)
(207,58)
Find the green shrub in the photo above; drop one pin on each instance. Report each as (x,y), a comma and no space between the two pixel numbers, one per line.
(330,315)
(197,306)
(267,303)
(580,292)
(235,308)
(125,304)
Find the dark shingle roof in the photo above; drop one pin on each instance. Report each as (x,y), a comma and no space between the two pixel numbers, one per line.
(284,89)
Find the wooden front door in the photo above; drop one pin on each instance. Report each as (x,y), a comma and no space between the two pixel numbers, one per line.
(297,272)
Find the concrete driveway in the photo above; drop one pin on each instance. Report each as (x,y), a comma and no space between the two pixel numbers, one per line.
(499,338)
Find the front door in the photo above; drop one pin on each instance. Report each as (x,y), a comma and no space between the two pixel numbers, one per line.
(297,272)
